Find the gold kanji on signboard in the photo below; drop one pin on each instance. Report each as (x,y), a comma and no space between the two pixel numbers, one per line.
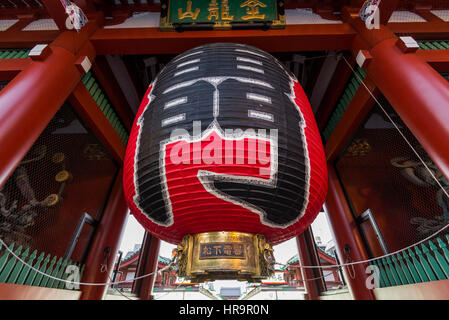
(225,11)
(252,9)
(188,13)
(213,10)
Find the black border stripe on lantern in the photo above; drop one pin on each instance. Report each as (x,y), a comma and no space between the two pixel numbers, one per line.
(279,202)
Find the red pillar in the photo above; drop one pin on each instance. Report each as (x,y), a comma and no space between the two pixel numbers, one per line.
(312,287)
(31,99)
(107,235)
(346,234)
(299,276)
(418,93)
(148,259)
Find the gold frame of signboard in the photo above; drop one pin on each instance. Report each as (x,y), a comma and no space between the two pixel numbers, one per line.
(166,25)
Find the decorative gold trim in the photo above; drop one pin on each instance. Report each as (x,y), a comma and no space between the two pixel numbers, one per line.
(62,176)
(222,25)
(58,157)
(227,261)
(52,200)
(279,24)
(165,25)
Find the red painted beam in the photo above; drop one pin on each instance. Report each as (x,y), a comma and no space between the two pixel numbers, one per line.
(113,90)
(31,99)
(14,13)
(438,59)
(22,23)
(421,30)
(18,3)
(14,37)
(88,109)
(418,30)
(32,3)
(85,5)
(429,16)
(292,38)
(418,93)
(9,68)
(57,12)
(386,9)
(7,4)
(27,39)
(360,105)
(333,92)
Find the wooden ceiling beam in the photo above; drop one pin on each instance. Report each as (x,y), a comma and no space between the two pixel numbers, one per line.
(26,39)
(9,68)
(85,5)
(19,4)
(386,9)
(13,12)
(358,108)
(32,3)
(357,3)
(22,23)
(57,12)
(333,92)
(292,38)
(421,30)
(115,94)
(426,14)
(89,111)
(6,4)
(438,59)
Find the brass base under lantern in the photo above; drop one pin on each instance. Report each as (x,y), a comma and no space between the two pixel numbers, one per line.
(224,255)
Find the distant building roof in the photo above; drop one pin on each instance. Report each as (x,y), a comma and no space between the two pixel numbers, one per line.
(133,255)
(323,254)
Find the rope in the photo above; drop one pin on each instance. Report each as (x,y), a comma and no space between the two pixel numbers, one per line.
(369,260)
(165,268)
(79,283)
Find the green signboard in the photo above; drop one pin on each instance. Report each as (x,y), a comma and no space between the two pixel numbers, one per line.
(221,14)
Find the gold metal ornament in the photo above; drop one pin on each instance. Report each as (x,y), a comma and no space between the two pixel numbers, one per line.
(359,147)
(62,176)
(52,200)
(94,151)
(58,157)
(222,255)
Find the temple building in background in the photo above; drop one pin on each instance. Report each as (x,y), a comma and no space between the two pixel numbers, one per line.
(125,272)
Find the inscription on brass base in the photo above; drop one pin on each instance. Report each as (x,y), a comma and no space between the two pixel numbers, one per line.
(224,255)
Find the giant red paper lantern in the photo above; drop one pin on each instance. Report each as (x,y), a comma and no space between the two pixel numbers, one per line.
(198,158)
